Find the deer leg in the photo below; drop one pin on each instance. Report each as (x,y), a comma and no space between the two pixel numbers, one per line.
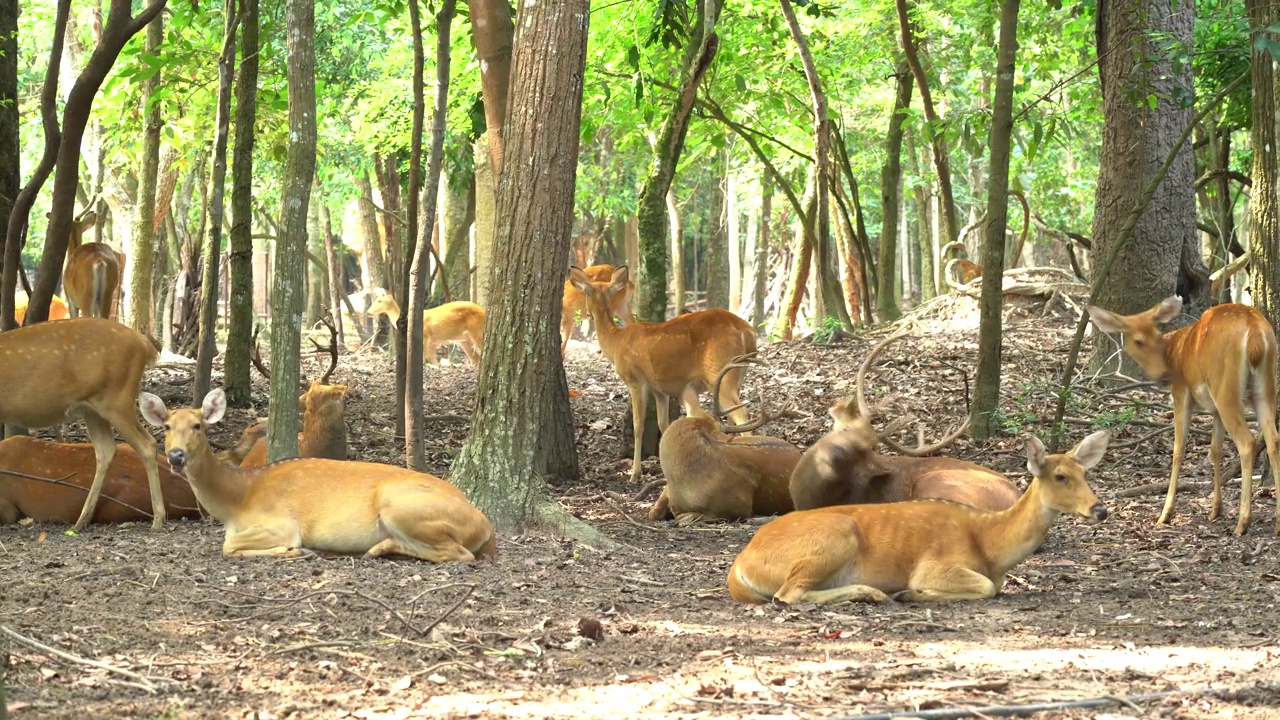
(1232,412)
(1181,418)
(639,404)
(1266,410)
(145,445)
(931,584)
(664,410)
(845,593)
(1215,457)
(661,509)
(104,451)
(416,526)
(729,396)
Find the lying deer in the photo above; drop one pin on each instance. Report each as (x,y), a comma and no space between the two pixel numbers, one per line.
(713,471)
(1219,360)
(844,468)
(123,492)
(575,302)
(92,273)
(919,550)
(289,508)
(459,322)
(249,438)
(678,357)
(57,308)
(89,368)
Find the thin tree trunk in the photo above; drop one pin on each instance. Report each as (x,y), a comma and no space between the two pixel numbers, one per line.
(799,277)
(317,272)
(762,256)
(492,34)
(142,250)
(678,291)
(459,199)
(733,236)
(717,264)
(332,262)
(890,189)
(1264,206)
(213,247)
(235,365)
(10,151)
(486,222)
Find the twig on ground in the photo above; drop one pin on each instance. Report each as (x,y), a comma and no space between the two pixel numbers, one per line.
(618,509)
(648,488)
(143,682)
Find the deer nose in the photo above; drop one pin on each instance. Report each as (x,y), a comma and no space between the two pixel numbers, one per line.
(177,459)
(1099,512)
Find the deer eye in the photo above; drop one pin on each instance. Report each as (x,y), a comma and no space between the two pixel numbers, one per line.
(1139,343)
(196,426)
(166,427)
(1060,477)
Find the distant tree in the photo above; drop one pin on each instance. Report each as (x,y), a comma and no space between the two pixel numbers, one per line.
(240,314)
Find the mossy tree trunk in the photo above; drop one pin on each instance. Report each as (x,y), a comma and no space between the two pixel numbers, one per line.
(1264,215)
(890,192)
(142,249)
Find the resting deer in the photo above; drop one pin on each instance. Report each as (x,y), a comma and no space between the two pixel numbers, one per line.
(124,492)
(919,550)
(92,273)
(1226,356)
(289,508)
(459,322)
(575,302)
(676,358)
(844,468)
(57,308)
(713,471)
(249,437)
(89,368)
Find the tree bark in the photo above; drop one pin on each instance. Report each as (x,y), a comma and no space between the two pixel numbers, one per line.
(504,463)
(678,290)
(762,256)
(717,257)
(142,249)
(986,395)
(213,248)
(486,222)
(920,195)
(333,263)
(492,34)
(10,151)
(890,190)
(291,243)
(799,277)
(317,272)
(459,199)
(240,264)
(1264,212)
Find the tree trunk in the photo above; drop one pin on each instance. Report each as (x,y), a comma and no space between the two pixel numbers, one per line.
(333,262)
(717,264)
(799,277)
(733,236)
(209,285)
(1135,142)
(504,463)
(700,50)
(1264,214)
(291,243)
(890,189)
(762,256)
(117,30)
(141,251)
(415,426)
(986,394)
(920,196)
(458,196)
(235,366)
(10,151)
(375,260)
(317,272)
(678,290)
(937,138)
(492,32)
(486,222)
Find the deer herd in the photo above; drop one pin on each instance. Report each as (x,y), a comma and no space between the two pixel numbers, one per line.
(852,523)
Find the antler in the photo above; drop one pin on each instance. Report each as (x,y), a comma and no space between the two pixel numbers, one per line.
(332,349)
(921,449)
(256,357)
(743,361)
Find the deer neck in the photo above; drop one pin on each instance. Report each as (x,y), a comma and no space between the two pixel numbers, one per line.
(1010,536)
(220,488)
(1173,350)
(608,334)
(324,433)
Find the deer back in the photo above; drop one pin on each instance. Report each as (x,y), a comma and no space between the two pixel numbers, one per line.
(689,349)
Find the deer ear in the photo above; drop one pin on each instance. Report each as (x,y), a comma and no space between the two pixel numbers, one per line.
(153,409)
(1167,310)
(580,280)
(1105,320)
(620,275)
(214,406)
(1035,456)
(1090,450)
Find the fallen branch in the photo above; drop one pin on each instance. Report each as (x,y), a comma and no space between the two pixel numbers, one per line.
(1159,488)
(1019,710)
(618,509)
(648,488)
(144,682)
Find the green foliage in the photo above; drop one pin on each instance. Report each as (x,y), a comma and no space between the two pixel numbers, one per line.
(827,331)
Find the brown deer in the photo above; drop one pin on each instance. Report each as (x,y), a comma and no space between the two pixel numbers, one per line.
(57,308)
(459,322)
(925,550)
(844,467)
(714,472)
(249,437)
(676,358)
(89,368)
(1226,356)
(575,302)
(294,507)
(92,273)
(124,492)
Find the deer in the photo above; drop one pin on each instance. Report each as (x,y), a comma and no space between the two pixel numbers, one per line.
(676,358)
(844,467)
(1218,361)
(57,308)
(916,551)
(458,322)
(68,472)
(575,302)
(715,472)
(92,273)
(89,368)
(323,407)
(302,506)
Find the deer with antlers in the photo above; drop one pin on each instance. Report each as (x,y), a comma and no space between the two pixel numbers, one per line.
(715,472)
(1219,362)
(575,302)
(295,507)
(323,407)
(92,273)
(845,468)
(676,358)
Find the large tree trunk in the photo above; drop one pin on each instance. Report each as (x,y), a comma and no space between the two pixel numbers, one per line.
(986,394)
(10,154)
(291,243)
(700,50)
(1264,212)
(419,278)
(937,138)
(117,30)
(492,34)
(213,247)
(717,263)
(890,190)
(141,251)
(503,465)
(1135,142)
(240,313)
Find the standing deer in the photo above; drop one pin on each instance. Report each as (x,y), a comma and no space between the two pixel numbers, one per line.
(293,507)
(676,358)
(713,471)
(1226,356)
(92,273)
(90,368)
(459,322)
(917,551)
(575,302)
(844,468)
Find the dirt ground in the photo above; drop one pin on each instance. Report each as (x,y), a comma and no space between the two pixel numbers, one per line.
(1173,621)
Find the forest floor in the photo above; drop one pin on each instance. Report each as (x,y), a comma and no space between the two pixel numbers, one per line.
(1171,621)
